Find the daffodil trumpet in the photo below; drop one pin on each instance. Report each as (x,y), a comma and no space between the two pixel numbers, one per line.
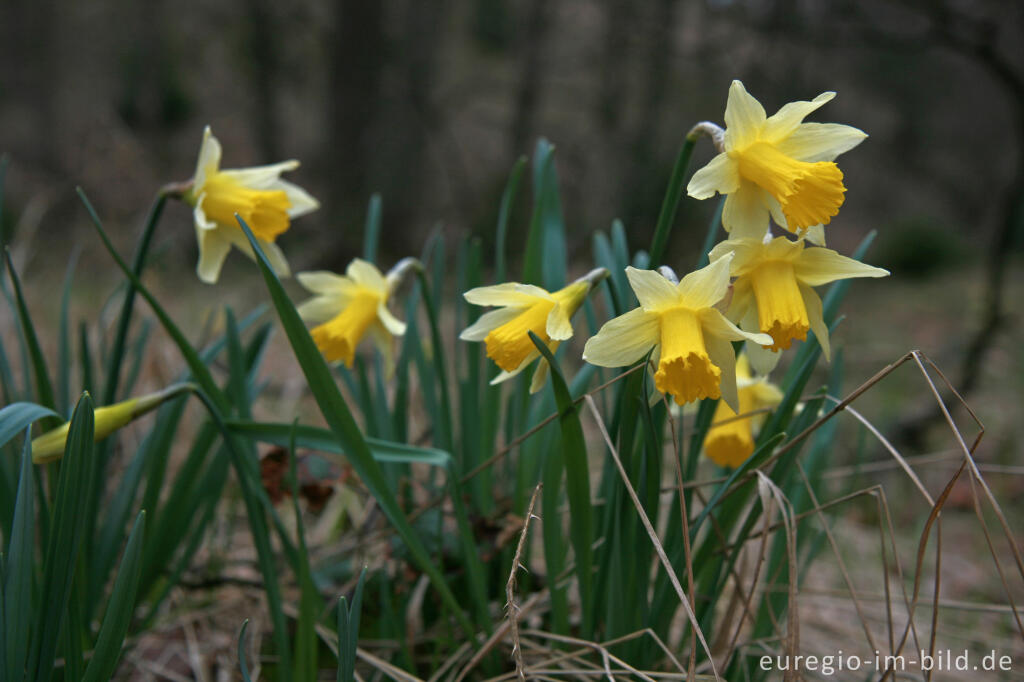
(730,441)
(258,195)
(773,292)
(693,339)
(521,309)
(49,446)
(777,167)
(348,307)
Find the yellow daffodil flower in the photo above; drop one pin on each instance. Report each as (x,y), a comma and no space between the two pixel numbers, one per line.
(50,446)
(264,201)
(773,290)
(731,438)
(349,306)
(696,357)
(777,166)
(524,308)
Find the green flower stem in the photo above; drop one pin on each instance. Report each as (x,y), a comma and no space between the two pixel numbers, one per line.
(670,204)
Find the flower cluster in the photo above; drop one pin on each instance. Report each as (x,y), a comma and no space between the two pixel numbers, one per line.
(757,289)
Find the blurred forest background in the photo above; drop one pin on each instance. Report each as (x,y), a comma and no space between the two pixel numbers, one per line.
(430,104)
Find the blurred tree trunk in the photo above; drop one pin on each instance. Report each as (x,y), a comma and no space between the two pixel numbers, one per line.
(353,99)
(415,115)
(647,176)
(532,41)
(263,71)
(614,64)
(30,30)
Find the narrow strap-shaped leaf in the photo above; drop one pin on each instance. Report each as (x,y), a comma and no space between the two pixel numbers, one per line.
(371,233)
(242,665)
(17,416)
(339,418)
(44,389)
(120,608)
(200,371)
(508,198)
(670,204)
(18,572)
(65,538)
(577,486)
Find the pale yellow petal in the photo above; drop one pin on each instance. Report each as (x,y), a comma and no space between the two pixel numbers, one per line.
(384,343)
(790,116)
(275,256)
(199,216)
(815,234)
(325,282)
(705,287)
(720,175)
(817,266)
(624,339)
(812,302)
(761,359)
(320,308)
(716,324)
(365,273)
(488,322)
(814,142)
(559,326)
(723,356)
(302,202)
(540,376)
(765,394)
(213,249)
(745,214)
(742,303)
(389,321)
(260,177)
(652,289)
(505,376)
(209,158)
(507,294)
(744,117)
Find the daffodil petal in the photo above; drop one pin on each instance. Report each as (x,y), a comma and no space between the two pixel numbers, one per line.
(505,376)
(744,117)
(213,249)
(320,308)
(624,339)
(559,326)
(724,357)
(275,256)
(540,376)
(302,202)
(766,394)
(651,288)
(745,214)
(324,282)
(817,266)
(390,322)
(261,177)
(820,141)
(790,116)
(705,287)
(384,342)
(488,322)
(720,175)
(761,359)
(199,216)
(209,158)
(815,234)
(716,324)
(742,303)
(507,293)
(365,273)
(812,302)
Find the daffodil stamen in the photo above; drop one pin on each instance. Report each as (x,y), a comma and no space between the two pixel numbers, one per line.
(510,344)
(265,211)
(780,306)
(809,193)
(685,370)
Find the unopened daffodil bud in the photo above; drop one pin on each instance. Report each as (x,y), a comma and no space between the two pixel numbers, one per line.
(50,445)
